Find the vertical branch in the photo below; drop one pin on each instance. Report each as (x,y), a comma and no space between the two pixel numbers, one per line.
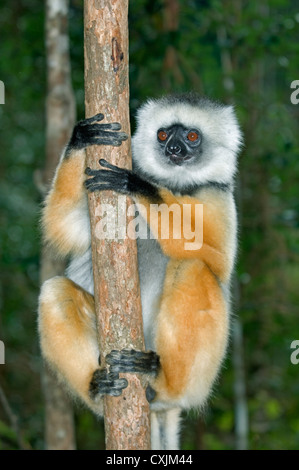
(60,105)
(241,407)
(60,117)
(14,422)
(117,296)
(171,60)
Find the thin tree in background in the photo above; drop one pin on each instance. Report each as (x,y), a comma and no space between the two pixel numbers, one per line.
(117,295)
(240,400)
(171,64)
(60,118)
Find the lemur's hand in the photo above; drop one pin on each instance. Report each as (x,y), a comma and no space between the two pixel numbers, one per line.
(117,179)
(120,180)
(89,132)
(106,383)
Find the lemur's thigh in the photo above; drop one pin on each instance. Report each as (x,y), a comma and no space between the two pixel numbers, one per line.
(68,333)
(192,333)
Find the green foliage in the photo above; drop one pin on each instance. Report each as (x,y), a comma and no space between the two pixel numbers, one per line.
(242,52)
(7,437)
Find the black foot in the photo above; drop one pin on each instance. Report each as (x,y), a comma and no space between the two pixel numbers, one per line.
(133,361)
(104,383)
(119,180)
(150,394)
(89,132)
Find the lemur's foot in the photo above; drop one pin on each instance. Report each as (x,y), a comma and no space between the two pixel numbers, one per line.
(124,361)
(106,383)
(129,360)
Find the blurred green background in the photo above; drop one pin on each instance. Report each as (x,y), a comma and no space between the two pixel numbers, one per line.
(245,52)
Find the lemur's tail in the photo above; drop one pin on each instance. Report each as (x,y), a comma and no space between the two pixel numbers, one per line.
(165,428)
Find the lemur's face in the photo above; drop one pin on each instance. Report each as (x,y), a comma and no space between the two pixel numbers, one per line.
(182,141)
(178,144)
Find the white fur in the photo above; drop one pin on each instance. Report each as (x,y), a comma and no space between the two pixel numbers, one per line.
(80,271)
(221,141)
(77,225)
(165,427)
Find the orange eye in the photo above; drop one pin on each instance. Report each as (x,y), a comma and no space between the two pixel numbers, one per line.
(162,135)
(192,136)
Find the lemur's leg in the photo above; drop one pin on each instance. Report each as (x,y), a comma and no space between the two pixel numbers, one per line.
(192,335)
(69,342)
(65,217)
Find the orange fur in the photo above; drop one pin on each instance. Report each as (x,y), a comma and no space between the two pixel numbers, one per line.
(192,323)
(188,325)
(68,333)
(66,197)
(213,250)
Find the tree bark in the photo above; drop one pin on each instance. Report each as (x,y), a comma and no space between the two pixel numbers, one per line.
(117,296)
(60,118)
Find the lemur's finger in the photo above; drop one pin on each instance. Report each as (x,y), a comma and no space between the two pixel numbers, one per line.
(114,141)
(90,172)
(113,126)
(104,383)
(96,118)
(108,165)
(99,187)
(103,176)
(97,130)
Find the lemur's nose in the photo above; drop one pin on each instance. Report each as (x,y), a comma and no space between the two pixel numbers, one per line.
(173,149)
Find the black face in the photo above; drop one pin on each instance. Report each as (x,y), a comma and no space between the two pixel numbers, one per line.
(179,144)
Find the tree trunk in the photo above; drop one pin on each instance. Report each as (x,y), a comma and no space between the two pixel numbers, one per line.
(60,118)
(240,400)
(117,296)
(172,73)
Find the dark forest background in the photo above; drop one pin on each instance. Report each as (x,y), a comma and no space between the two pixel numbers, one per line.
(241,52)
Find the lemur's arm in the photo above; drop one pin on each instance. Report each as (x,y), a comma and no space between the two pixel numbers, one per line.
(65,217)
(155,203)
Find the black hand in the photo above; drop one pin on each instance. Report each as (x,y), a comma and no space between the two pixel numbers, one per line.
(104,383)
(150,393)
(119,180)
(89,132)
